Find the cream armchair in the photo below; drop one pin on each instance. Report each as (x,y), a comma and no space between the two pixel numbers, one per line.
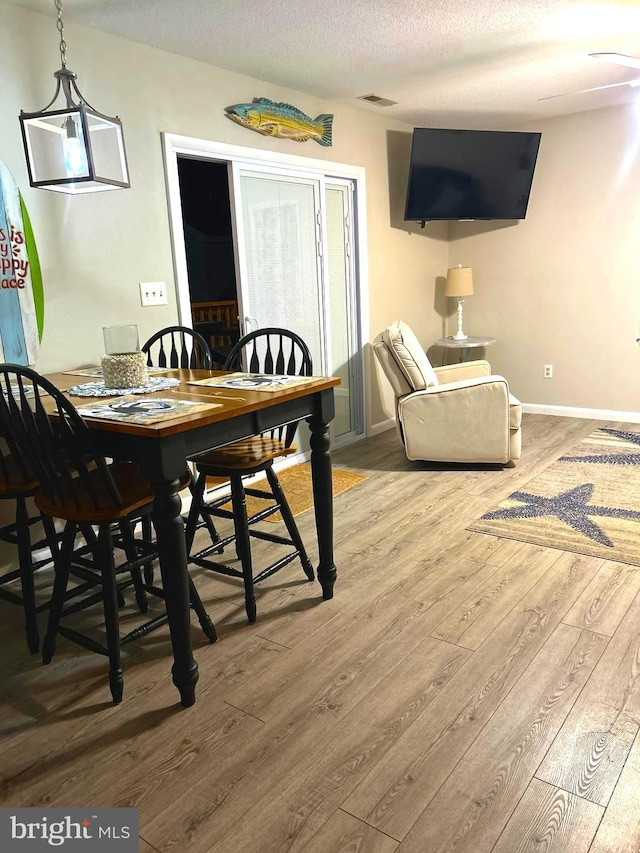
(457,413)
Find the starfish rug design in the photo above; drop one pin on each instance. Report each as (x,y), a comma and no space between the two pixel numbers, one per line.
(612,458)
(572,507)
(587,501)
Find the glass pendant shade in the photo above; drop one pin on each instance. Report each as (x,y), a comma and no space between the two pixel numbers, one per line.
(73,148)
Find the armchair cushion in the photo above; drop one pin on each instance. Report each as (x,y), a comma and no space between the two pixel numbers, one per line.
(409,356)
(462,370)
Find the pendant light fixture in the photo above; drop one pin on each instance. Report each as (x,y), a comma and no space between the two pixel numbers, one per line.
(74,148)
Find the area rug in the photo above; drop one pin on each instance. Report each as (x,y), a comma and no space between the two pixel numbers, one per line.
(587,501)
(296,483)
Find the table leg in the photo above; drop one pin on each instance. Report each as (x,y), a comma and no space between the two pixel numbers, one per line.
(172,549)
(323,503)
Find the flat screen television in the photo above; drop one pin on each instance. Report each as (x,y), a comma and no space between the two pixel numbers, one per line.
(470,174)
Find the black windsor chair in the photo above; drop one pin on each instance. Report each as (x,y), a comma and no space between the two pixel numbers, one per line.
(170,348)
(99,500)
(271,351)
(18,483)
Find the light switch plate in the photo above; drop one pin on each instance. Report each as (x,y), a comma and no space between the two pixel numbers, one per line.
(153,293)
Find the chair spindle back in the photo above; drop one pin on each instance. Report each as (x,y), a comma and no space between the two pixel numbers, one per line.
(49,442)
(178,347)
(272,351)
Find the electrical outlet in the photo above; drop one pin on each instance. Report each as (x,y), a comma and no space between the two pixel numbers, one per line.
(153,293)
(547,372)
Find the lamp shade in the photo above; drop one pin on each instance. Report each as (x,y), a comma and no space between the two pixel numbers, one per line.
(459,282)
(74,150)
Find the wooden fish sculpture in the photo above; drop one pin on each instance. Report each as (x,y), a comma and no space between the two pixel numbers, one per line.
(283,120)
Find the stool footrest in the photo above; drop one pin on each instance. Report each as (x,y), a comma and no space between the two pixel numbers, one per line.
(272,569)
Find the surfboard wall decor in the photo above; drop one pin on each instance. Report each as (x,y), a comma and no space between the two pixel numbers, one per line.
(21,296)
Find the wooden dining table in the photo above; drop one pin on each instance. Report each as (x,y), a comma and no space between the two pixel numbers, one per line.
(161,450)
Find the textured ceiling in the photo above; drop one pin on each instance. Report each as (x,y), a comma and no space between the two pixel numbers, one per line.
(448,63)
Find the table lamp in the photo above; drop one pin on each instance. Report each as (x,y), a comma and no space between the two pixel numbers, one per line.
(460,284)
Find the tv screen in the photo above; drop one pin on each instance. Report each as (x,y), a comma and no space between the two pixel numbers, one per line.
(470,174)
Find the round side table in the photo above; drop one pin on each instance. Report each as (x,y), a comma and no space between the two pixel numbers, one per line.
(465,345)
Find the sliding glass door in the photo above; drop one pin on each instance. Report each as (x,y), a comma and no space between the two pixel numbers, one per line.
(296,270)
(279,264)
(340,272)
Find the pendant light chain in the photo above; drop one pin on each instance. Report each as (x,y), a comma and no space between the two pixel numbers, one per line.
(60,26)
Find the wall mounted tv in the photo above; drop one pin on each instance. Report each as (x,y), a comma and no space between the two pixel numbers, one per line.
(470,174)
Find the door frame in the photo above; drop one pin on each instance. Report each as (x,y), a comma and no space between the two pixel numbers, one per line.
(174,145)
(356,379)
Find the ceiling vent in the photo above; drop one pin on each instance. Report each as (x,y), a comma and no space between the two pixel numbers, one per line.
(377,100)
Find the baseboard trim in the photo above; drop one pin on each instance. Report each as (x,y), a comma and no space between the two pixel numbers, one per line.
(577,412)
(382,426)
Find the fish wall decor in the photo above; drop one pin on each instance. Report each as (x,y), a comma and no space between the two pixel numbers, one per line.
(283,120)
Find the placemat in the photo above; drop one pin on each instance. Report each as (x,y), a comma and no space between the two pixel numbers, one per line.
(144,410)
(15,390)
(254,381)
(98,389)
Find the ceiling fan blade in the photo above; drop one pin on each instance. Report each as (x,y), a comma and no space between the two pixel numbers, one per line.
(618,59)
(594,89)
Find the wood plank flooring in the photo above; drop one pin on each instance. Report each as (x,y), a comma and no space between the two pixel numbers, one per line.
(460,694)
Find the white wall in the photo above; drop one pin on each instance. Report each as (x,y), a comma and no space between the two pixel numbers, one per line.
(562,287)
(94,249)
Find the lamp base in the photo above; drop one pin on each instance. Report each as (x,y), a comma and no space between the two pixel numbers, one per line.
(460,335)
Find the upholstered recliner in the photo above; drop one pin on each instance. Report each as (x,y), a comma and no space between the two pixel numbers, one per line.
(457,413)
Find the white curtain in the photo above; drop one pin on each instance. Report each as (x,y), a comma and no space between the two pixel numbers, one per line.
(281,252)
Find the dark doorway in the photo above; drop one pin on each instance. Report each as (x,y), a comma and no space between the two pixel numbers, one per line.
(206,216)
(206,213)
